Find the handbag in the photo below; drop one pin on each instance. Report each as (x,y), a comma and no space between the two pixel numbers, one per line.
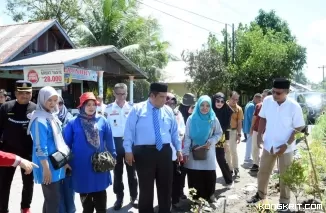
(59,159)
(103,161)
(199,153)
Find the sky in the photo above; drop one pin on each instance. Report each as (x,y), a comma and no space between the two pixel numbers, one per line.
(306,19)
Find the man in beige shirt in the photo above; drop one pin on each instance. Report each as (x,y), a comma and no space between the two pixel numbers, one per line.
(231,153)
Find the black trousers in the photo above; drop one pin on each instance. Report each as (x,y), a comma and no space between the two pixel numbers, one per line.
(94,200)
(182,178)
(153,165)
(203,181)
(118,185)
(176,183)
(220,158)
(6,177)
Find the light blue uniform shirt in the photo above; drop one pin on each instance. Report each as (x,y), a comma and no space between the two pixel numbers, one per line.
(248,114)
(139,128)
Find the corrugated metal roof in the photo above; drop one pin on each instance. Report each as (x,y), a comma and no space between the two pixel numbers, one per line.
(15,38)
(72,56)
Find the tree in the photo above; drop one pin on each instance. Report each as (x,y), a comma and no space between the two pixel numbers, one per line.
(111,22)
(206,68)
(268,21)
(260,58)
(67,12)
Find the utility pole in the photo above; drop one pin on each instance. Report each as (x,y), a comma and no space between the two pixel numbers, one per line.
(226,45)
(233,44)
(323,67)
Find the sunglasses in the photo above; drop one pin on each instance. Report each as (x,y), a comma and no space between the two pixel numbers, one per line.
(219,101)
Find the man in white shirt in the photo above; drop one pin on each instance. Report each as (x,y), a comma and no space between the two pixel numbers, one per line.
(117,113)
(282,117)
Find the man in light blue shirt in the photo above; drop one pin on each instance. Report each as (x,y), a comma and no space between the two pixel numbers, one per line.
(150,128)
(248,114)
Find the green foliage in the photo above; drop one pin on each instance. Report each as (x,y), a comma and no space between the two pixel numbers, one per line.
(67,12)
(261,57)
(197,204)
(295,178)
(206,68)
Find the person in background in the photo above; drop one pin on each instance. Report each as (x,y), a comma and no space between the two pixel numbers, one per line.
(202,129)
(45,129)
(67,194)
(280,119)
(3,96)
(188,102)
(101,107)
(254,132)
(9,159)
(223,113)
(86,134)
(14,120)
(248,114)
(150,128)
(231,153)
(118,112)
(177,185)
(185,108)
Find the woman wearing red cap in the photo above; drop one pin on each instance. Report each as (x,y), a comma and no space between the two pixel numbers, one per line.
(87,134)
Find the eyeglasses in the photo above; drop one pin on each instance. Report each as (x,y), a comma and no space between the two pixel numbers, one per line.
(219,101)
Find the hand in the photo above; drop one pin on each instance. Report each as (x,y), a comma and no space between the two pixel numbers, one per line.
(129,158)
(47,176)
(179,156)
(67,166)
(251,131)
(185,159)
(207,145)
(238,139)
(282,149)
(259,140)
(27,166)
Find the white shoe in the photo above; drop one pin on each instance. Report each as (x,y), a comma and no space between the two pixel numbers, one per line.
(230,186)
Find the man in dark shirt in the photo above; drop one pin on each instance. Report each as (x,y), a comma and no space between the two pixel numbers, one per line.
(254,132)
(14,119)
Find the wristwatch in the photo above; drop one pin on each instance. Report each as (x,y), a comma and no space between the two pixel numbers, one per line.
(239,134)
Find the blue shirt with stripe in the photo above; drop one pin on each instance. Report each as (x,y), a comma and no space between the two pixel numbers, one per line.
(139,128)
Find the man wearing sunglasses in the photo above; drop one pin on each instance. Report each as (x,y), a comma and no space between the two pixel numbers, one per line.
(280,119)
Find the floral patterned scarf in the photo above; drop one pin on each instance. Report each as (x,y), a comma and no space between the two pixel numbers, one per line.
(89,125)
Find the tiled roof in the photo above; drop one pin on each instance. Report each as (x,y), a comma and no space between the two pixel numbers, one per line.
(15,38)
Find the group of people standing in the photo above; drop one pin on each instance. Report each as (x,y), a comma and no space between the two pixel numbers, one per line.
(156,140)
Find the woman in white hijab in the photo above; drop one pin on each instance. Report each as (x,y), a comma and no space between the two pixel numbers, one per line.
(45,128)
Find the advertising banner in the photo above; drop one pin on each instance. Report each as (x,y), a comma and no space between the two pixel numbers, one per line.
(45,75)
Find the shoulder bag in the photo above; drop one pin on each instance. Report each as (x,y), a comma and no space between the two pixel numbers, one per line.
(200,152)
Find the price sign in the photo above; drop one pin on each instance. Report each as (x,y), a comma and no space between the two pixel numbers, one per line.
(47,75)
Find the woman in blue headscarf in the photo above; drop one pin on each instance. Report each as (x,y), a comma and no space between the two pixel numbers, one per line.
(203,131)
